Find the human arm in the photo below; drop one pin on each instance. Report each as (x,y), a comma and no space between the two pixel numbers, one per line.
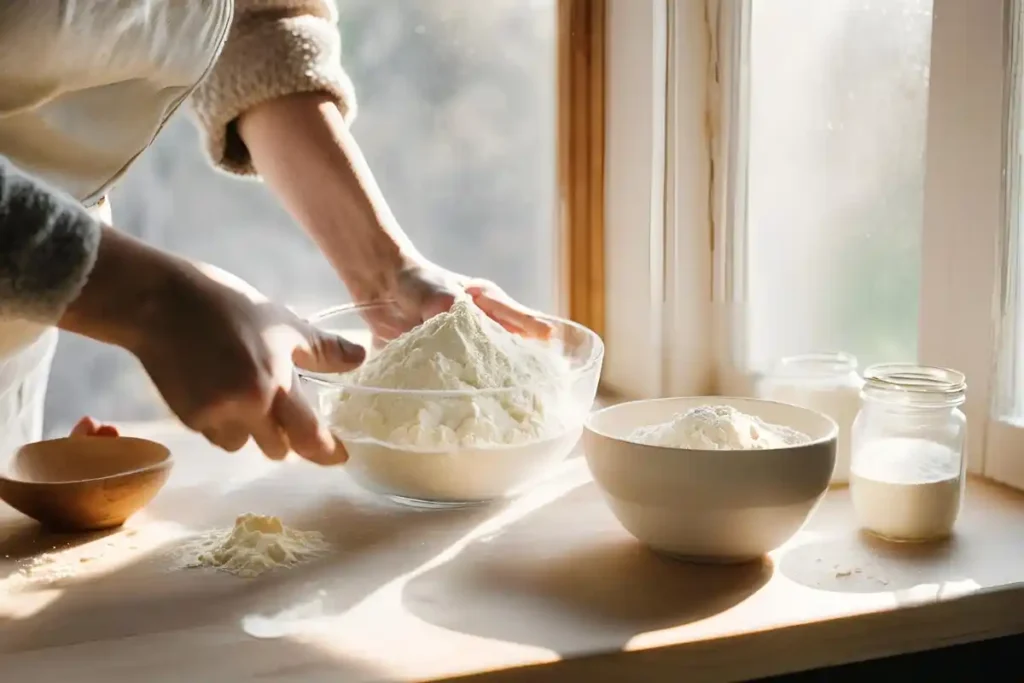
(288,121)
(48,244)
(220,354)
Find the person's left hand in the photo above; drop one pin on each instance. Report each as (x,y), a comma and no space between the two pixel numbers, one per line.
(90,427)
(424,290)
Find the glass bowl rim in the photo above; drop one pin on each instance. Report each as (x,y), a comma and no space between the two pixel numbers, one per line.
(592,362)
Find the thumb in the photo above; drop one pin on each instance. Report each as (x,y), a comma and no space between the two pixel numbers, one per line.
(327,352)
(436,304)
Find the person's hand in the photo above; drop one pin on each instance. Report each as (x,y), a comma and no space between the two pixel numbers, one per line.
(221,355)
(424,290)
(224,357)
(90,427)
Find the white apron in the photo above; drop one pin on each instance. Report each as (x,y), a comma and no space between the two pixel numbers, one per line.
(104,87)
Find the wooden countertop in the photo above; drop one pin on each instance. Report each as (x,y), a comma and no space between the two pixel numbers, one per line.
(549,582)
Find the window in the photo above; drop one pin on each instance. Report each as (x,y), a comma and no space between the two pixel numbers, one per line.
(836,125)
(793,223)
(1004,445)
(458,120)
(840,188)
(868,217)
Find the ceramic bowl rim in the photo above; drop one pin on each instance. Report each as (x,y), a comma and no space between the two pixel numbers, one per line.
(832,435)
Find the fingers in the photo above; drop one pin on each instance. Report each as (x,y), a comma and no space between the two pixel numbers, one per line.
(89,427)
(270,406)
(230,436)
(268,436)
(85,427)
(513,316)
(327,352)
(308,438)
(271,439)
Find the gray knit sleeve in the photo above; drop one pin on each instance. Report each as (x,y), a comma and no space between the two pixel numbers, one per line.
(48,245)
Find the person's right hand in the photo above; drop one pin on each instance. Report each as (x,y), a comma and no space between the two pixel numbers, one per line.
(221,355)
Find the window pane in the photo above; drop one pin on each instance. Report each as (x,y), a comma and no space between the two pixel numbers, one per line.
(457,117)
(1010,378)
(835,172)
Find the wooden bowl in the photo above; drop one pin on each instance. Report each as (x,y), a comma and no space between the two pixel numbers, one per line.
(84,483)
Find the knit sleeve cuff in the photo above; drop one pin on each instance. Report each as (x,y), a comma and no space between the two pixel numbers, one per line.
(48,246)
(264,59)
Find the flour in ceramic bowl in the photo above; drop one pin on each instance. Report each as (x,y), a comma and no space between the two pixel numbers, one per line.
(525,387)
(717,428)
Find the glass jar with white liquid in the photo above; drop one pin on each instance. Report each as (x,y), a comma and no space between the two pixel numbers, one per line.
(908,467)
(826,382)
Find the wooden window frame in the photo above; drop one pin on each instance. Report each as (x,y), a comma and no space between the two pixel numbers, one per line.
(581,158)
(658,199)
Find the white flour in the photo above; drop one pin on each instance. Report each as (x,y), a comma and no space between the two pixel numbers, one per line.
(462,349)
(256,544)
(838,396)
(906,488)
(72,562)
(717,428)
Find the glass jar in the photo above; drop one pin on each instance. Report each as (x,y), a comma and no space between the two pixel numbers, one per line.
(826,382)
(908,466)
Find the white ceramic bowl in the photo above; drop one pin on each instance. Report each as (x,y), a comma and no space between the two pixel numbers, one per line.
(707,505)
(459,475)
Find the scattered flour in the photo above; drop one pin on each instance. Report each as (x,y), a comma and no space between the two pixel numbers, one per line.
(46,569)
(717,427)
(461,349)
(256,544)
(71,562)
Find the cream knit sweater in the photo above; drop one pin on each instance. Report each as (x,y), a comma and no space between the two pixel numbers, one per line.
(276,47)
(57,107)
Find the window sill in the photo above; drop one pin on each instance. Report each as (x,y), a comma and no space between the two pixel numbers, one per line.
(548,587)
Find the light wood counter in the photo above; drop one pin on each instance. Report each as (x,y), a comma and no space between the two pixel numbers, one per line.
(549,582)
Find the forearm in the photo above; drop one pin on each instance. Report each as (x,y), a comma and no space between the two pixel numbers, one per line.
(124,291)
(48,243)
(304,151)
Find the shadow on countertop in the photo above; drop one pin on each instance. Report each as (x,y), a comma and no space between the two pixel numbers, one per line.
(607,591)
(374,542)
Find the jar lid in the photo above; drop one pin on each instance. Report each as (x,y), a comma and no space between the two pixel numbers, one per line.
(922,381)
(825,364)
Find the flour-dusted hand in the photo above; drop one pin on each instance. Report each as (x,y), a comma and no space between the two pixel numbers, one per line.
(424,290)
(222,355)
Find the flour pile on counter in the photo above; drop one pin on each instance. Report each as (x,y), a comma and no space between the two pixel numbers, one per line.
(718,428)
(256,544)
(461,349)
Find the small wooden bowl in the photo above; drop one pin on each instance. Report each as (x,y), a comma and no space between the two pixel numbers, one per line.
(85,483)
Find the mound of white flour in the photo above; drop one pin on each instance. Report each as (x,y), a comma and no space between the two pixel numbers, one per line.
(717,428)
(256,544)
(457,350)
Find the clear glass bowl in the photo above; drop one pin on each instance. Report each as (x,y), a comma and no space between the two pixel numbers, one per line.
(464,473)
